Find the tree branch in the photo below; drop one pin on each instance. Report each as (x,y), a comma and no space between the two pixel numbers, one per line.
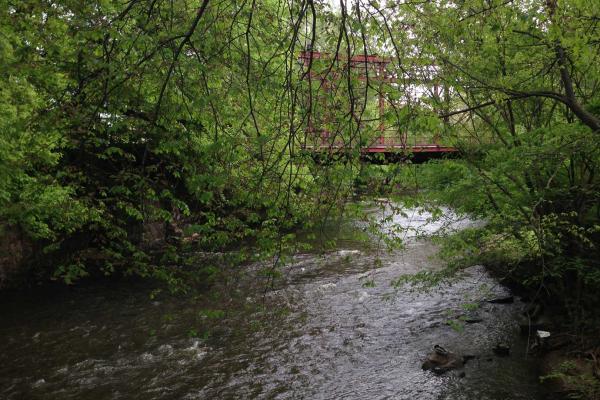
(186,39)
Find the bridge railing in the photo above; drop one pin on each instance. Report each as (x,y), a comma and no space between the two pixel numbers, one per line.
(392,138)
(388,139)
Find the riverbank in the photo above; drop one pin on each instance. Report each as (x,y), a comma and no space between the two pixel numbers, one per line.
(568,357)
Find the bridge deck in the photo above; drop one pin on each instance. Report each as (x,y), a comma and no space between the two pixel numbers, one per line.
(417,153)
(416,148)
(388,148)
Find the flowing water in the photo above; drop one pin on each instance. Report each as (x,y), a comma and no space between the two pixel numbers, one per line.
(334,328)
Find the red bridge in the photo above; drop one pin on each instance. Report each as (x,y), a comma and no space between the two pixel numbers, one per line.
(325,74)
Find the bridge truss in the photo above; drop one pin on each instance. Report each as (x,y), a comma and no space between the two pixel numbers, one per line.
(388,141)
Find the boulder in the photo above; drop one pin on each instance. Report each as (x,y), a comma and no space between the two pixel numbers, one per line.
(441,360)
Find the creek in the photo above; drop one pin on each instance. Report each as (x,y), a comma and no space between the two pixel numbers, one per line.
(333,328)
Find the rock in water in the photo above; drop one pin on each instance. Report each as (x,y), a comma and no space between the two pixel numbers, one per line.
(441,360)
(502,349)
(502,300)
(543,335)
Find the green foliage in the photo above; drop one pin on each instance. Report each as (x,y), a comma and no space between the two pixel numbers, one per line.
(212,314)
(112,140)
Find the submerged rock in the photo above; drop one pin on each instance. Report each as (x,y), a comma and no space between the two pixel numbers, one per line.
(441,360)
(502,300)
(472,319)
(502,349)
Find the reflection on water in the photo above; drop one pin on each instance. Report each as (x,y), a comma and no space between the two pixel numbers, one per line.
(335,329)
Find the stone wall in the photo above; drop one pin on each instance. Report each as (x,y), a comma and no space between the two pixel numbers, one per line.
(14,252)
